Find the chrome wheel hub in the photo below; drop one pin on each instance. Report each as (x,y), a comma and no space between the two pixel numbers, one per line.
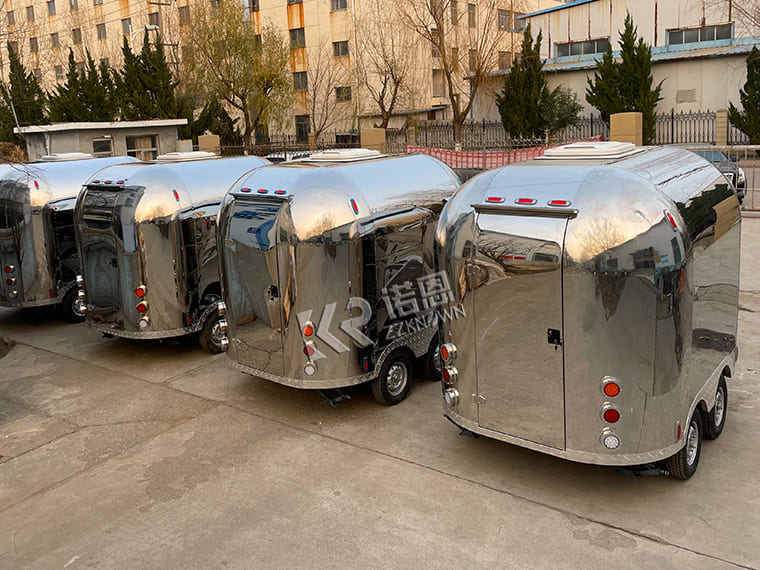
(692,443)
(720,407)
(397,378)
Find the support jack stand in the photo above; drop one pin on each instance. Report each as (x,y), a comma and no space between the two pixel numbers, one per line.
(333,397)
(464,432)
(639,471)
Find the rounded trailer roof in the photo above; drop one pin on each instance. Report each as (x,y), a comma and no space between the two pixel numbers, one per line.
(55,180)
(342,191)
(194,181)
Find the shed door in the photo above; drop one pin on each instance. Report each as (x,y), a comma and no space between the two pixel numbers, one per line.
(517,284)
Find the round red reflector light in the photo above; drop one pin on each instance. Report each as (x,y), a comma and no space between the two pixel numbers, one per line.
(611,415)
(7,269)
(446,375)
(308,330)
(9,281)
(140,292)
(308,350)
(142,307)
(611,389)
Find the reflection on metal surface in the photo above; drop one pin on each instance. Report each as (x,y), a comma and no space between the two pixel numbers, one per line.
(318,266)
(37,233)
(637,288)
(147,236)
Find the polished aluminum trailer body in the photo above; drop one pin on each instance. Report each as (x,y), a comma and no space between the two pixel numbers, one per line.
(590,267)
(38,254)
(147,237)
(324,247)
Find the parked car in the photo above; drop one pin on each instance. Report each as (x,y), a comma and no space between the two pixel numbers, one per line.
(728,167)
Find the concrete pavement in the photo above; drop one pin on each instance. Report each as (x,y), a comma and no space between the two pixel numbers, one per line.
(123,454)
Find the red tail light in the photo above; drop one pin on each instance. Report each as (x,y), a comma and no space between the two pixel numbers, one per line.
(611,415)
(525,201)
(262,191)
(142,307)
(8,268)
(559,203)
(176,195)
(354,206)
(308,350)
(671,220)
(494,199)
(140,291)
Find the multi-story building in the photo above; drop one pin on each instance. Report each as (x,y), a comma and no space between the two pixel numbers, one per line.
(699,48)
(337,46)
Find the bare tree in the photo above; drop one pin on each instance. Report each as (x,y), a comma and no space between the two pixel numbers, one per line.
(385,54)
(328,100)
(744,13)
(466,40)
(221,57)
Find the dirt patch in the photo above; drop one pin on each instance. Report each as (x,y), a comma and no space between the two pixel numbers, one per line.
(5,346)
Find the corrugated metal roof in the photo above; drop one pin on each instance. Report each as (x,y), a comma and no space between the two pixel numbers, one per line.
(555,8)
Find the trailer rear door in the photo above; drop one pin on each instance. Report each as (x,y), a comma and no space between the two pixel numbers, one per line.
(517,280)
(252,282)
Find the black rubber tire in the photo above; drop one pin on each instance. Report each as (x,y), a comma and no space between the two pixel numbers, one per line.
(397,362)
(678,465)
(208,338)
(70,307)
(429,368)
(712,429)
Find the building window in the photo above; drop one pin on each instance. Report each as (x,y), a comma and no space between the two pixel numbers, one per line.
(340,49)
(300,81)
(102,147)
(80,66)
(253,5)
(302,128)
(703,34)
(339,5)
(30,13)
(54,41)
(505,59)
(154,19)
(144,147)
(455,59)
(11,18)
(342,93)
(58,72)
(473,63)
(583,47)
(519,22)
(505,17)
(454,12)
(76,36)
(471,15)
(297,38)
(51,8)
(257,41)
(33,45)
(184,15)
(434,50)
(295,1)
(37,74)
(101,29)
(97,2)
(438,83)
(73,5)
(105,61)
(13,46)
(126,26)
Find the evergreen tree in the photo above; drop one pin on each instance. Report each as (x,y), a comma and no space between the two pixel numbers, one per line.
(527,106)
(22,95)
(87,94)
(749,121)
(145,86)
(214,118)
(627,85)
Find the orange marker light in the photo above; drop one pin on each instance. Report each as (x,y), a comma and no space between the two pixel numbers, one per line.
(308,330)
(444,353)
(611,389)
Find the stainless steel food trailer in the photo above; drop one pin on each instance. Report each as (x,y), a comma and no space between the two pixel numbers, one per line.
(147,240)
(600,287)
(38,253)
(325,283)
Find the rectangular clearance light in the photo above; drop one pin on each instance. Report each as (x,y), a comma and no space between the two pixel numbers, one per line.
(354,206)
(262,191)
(246,190)
(279,192)
(559,203)
(525,201)
(494,199)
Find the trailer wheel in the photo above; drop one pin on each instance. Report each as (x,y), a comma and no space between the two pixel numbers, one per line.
(70,307)
(431,362)
(211,334)
(392,383)
(715,419)
(684,464)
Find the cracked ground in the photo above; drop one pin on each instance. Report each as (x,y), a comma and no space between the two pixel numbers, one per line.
(126,454)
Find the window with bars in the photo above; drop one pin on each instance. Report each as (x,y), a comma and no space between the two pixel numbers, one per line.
(504,19)
(342,94)
(101,30)
(51,8)
(471,17)
(54,40)
(302,128)
(297,38)
(701,34)
(300,81)
(340,49)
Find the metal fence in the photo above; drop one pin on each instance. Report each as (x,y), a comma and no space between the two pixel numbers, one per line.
(685,127)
